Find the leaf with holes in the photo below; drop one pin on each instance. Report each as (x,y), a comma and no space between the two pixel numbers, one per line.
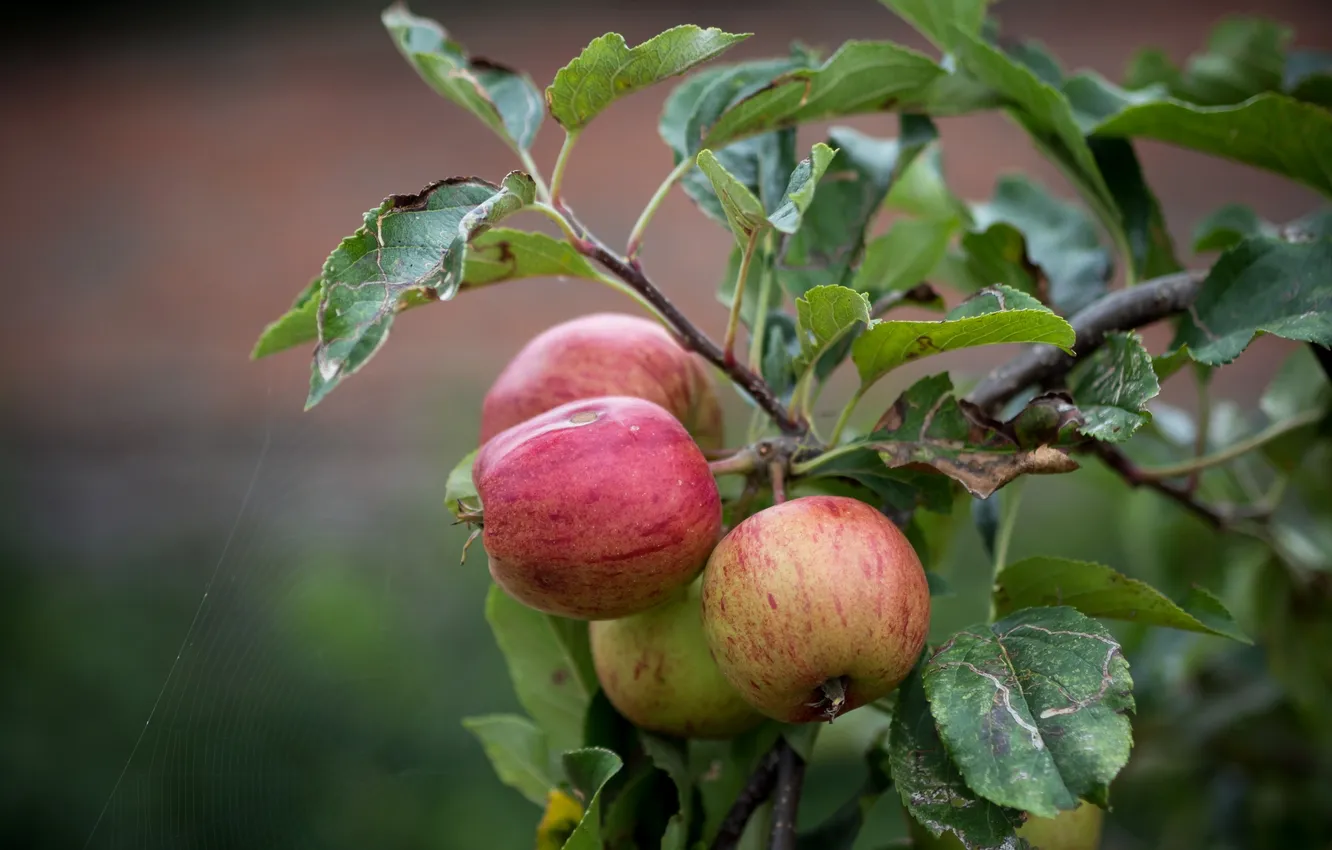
(991,317)
(505,100)
(609,69)
(1112,387)
(862,76)
(1261,286)
(932,789)
(831,237)
(928,426)
(746,214)
(517,750)
(1060,239)
(550,664)
(411,247)
(1098,591)
(589,770)
(1032,709)
(825,315)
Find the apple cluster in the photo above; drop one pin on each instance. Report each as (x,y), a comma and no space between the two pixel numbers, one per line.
(599,504)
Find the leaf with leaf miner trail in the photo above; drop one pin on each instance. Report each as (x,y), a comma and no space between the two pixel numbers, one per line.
(993,316)
(505,100)
(932,789)
(1261,286)
(1099,591)
(928,426)
(1111,388)
(410,247)
(1032,708)
(609,69)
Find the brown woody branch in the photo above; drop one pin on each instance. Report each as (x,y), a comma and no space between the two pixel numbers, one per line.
(755,793)
(786,799)
(1123,310)
(631,272)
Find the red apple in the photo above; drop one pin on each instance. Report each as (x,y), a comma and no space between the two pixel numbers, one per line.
(604,354)
(656,669)
(597,509)
(815,607)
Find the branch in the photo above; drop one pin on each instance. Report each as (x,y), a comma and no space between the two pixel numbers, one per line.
(1135,477)
(1122,310)
(692,338)
(754,794)
(786,799)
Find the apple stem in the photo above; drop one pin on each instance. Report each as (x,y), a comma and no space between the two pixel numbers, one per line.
(740,463)
(786,799)
(777,473)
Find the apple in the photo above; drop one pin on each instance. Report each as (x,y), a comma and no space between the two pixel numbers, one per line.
(814,607)
(605,354)
(597,509)
(1075,829)
(656,670)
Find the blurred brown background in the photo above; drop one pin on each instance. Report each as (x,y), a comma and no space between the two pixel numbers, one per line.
(172,176)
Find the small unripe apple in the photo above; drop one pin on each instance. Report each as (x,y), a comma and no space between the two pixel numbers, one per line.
(597,509)
(1076,829)
(656,670)
(814,607)
(605,354)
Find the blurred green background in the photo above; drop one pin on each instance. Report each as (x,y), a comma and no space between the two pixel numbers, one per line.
(226,623)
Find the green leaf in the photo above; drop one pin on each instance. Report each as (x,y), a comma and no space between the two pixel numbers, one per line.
(932,789)
(1308,76)
(840,830)
(922,191)
(297,326)
(1270,131)
(1045,113)
(1032,708)
(549,663)
(506,101)
(993,316)
(1098,591)
(825,315)
(927,425)
(1261,286)
(504,254)
(941,20)
(671,756)
(517,750)
(459,492)
(1112,386)
(608,69)
(1300,385)
(746,214)
(1150,67)
(1245,56)
(589,770)
(832,236)
(862,76)
(781,346)
(1151,247)
(1227,226)
(904,256)
(1060,239)
(411,247)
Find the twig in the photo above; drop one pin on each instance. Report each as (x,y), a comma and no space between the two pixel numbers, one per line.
(1124,309)
(742,462)
(1232,451)
(786,799)
(1131,473)
(692,338)
(776,474)
(754,794)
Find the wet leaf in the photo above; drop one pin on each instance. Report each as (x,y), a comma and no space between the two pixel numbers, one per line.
(1099,591)
(609,69)
(1032,708)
